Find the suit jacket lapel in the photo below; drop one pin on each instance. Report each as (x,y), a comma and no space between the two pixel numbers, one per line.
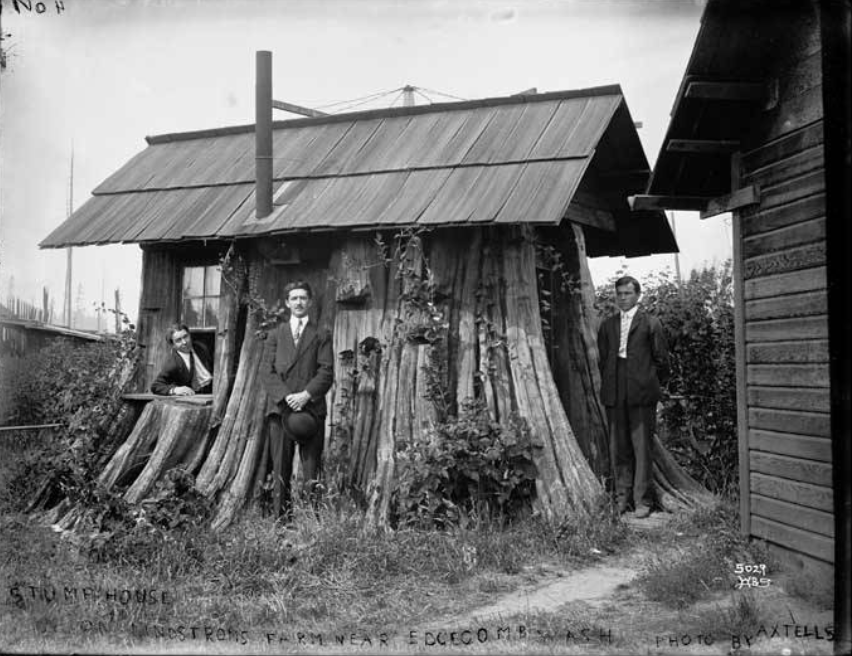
(637,318)
(308,335)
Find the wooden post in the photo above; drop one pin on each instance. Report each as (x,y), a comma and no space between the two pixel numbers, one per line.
(740,355)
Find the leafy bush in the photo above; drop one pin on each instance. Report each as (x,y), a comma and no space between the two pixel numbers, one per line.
(79,387)
(698,420)
(466,465)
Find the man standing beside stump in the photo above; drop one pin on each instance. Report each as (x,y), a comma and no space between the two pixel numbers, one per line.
(633,365)
(297,372)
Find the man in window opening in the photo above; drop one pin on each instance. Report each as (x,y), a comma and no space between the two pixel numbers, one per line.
(188,368)
(633,365)
(297,372)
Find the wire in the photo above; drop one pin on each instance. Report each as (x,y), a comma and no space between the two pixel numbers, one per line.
(354,100)
(441,93)
(364,102)
(343,106)
(419,92)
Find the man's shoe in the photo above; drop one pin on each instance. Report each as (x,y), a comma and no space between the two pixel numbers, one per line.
(642,512)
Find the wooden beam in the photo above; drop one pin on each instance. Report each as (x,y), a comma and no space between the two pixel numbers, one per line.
(646,202)
(739,91)
(297,109)
(703,146)
(739,198)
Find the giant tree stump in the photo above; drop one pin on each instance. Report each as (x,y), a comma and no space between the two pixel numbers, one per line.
(450,316)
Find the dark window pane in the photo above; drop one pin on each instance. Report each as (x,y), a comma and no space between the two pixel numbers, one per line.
(212,280)
(192,308)
(193,281)
(211,312)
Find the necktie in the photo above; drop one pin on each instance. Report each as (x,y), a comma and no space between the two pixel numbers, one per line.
(298,332)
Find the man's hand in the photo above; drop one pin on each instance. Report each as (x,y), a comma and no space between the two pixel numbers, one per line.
(298,400)
(182,390)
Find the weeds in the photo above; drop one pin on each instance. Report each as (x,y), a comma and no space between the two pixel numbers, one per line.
(694,568)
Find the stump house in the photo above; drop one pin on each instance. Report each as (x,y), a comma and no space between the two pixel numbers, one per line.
(500,199)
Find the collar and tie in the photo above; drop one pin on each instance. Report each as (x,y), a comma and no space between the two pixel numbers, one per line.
(297,330)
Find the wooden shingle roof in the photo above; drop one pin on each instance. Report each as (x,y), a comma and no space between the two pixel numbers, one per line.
(518,159)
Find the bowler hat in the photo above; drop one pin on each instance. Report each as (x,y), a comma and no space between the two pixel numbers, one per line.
(301,425)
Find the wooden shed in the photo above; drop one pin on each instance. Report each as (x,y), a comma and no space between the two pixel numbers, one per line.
(749,134)
(458,228)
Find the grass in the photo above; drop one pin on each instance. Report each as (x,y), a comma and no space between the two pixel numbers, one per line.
(326,585)
(326,576)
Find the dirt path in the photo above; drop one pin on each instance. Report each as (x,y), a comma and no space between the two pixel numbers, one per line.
(592,585)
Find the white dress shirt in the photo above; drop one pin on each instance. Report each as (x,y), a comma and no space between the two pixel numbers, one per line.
(626,321)
(202,376)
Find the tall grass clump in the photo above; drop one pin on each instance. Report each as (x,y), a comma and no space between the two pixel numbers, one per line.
(695,567)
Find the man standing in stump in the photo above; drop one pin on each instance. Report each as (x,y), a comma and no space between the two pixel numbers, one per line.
(634,364)
(188,368)
(297,372)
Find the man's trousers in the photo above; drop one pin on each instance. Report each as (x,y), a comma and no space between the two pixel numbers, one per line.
(282,448)
(630,435)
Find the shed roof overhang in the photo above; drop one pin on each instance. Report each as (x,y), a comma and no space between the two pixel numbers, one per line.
(728,81)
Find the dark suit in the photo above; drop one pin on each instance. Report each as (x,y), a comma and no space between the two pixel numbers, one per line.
(289,369)
(630,390)
(174,372)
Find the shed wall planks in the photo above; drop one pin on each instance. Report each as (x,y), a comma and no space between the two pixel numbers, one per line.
(812,544)
(796,469)
(782,512)
(803,494)
(800,446)
(784,284)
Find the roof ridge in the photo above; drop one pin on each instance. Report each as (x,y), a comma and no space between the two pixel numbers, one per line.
(386,112)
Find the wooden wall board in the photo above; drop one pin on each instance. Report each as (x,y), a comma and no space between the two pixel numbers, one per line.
(808,519)
(811,544)
(793,352)
(805,209)
(788,375)
(817,424)
(792,305)
(802,257)
(803,494)
(775,330)
(782,170)
(788,145)
(806,232)
(790,190)
(792,468)
(798,446)
(795,112)
(804,280)
(820,573)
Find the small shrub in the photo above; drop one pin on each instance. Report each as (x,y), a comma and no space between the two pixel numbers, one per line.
(464,467)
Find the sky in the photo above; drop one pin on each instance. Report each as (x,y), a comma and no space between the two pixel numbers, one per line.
(97,76)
